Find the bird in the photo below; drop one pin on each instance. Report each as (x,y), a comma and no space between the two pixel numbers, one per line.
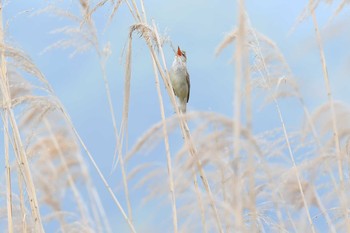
(180,79)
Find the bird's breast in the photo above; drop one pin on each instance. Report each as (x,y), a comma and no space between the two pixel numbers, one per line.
(179,82)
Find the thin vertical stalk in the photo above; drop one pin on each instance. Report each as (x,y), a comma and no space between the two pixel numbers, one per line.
(18,146)
(249,128)
(167,149)
(321,151)
(191,148)
(339,155)
(124,123)
(76,193)
(285,133)
(118,137)
(139,19)
(94,195)
(200,201)
(21,202)
(109,99)
(8,175)
(239,65)
(131,10)
(143,11)
(329,96)
(185,130)
(225,199)
(25,170)
(106,184)
(251,159)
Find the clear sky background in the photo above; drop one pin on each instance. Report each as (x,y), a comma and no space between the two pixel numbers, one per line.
(196,26)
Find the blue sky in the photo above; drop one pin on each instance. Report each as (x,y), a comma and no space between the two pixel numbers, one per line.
(197,27)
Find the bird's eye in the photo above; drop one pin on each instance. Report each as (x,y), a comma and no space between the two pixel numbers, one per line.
(184,54)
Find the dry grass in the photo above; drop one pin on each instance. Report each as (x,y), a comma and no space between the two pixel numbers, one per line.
(224,177)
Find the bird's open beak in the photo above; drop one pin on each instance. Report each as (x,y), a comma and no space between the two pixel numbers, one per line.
(179,52)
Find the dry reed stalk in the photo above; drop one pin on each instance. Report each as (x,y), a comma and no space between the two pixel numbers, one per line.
(87,33)
(240,67)
(186,134)
(24,166)
(251,179)
(114,11)
(124,123)
(249,127)
(67,172)
(8,174)
(264,70)
(167,150)
(136,10)
(96,7)
(224,195)
(288,143)
(165,132)
(148,34)
(55,153)
(159,45)
(119,138)
(22,203)
(340,158)
(329,95)
(108,187)
(200,201)
(277,205)
(340,7)
(325,213)
(205,152)
(103,57)
(94,196)
(18,146)
(189,142)
(109,99)
(322,152)
(151,36)
(131,10)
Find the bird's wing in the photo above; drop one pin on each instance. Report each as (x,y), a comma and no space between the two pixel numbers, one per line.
(189,85)
(170,79)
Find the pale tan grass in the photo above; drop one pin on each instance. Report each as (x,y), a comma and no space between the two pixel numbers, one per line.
(17,218)
(9,200)
(312,6)
(266,77)
(322,118)
(109,189)
(124,123)
(114,10)
(277,74)
(184,165)
(36,112)
(148,34)
(136,10)
(342,195)
(293,161)
(63,147)
(18,144)
(167,148)
(82,37)
(241,65)
(21,61)
(237,168)
(53,153)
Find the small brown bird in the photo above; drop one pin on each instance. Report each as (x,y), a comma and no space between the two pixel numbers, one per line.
(180,79)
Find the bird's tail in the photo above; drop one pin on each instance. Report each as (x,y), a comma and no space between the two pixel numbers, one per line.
(183,106)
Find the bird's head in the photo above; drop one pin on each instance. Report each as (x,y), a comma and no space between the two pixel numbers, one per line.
(181,54)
